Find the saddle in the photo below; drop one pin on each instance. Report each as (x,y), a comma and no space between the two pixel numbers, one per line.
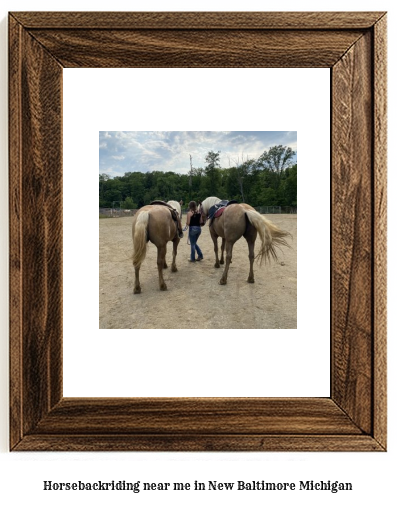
(174,214)
(217,209)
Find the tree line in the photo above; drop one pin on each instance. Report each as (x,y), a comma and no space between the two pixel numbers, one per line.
(270,180)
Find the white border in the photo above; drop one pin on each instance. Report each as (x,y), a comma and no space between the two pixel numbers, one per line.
(130,362)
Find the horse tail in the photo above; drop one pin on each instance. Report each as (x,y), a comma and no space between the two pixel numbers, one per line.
(271,236)
(139,237)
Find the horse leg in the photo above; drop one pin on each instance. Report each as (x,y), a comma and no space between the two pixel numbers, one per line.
(222,251)
(161,251)
(229,250)
(137,285)
(215,240)
(165,266)
(250,236)
(175,244)
(251,256)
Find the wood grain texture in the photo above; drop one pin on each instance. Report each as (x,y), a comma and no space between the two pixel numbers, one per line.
(202,20)
(36,230)
(380,229)
(41,83)
(199,443)
(352,233)
(197,416)
(353,45)
(15,227)
(196,48)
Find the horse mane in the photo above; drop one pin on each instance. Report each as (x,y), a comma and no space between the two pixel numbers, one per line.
(207,203)
(176,206)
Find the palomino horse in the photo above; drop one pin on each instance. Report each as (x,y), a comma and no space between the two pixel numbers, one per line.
(154,223)
(242,220)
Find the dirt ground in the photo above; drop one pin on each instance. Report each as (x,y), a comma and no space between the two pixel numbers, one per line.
(194,299)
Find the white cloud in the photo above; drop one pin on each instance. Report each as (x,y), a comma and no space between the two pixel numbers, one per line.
(145,151)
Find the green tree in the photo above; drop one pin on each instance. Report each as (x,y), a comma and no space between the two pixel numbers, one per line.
(269,197)
(212,171)
(269,180)
(103,178)
(288,187)
(276,159)
(128,204)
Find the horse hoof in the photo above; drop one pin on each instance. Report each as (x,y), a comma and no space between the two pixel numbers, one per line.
(163,287)
(174,269)
(216,265)
(165,266)
(222,262)
(137,290)
(222,282)
(251,280)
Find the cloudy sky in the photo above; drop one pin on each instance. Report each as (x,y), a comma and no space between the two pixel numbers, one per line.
(121,152)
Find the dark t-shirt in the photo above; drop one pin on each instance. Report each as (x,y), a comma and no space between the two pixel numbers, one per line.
(195,219)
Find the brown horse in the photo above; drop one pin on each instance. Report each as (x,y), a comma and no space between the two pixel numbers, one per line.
(154,223)
(239,220)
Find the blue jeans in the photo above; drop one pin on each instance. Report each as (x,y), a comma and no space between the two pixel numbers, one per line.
(194,233)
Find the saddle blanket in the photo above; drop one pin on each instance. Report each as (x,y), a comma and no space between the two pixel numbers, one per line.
(219,212)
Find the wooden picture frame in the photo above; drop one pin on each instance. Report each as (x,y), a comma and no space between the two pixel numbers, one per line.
(353,46)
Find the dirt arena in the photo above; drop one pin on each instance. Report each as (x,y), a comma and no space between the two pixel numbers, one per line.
(194,299)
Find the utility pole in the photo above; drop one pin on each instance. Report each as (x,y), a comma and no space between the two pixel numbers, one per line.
(239,175)
(240,179)
(190,178)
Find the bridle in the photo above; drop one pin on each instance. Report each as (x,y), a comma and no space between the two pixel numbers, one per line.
(203,216)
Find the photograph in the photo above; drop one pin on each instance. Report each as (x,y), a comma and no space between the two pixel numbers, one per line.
(202,225)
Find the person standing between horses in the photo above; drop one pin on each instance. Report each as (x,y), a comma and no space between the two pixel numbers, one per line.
(194,222)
